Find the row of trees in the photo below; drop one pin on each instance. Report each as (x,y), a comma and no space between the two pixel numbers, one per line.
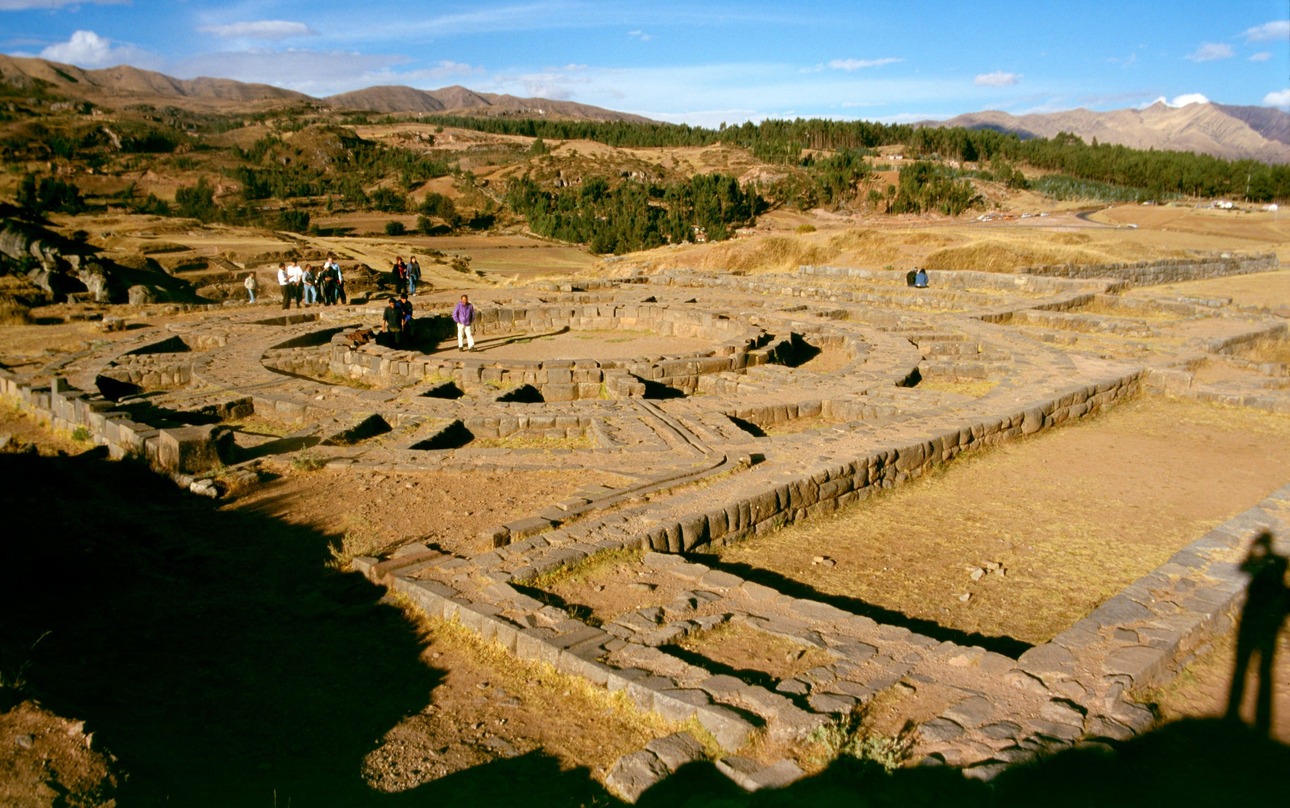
(1160,173)
(334,162)
(48,195)
(635,215)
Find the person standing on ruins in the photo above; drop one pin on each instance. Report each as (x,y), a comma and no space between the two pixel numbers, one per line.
(414,275)
(331,281)
(400,274)
(295,282)
(463,314)
(393,322)
(251,285)
(284,283)
(311,283)
(405,317)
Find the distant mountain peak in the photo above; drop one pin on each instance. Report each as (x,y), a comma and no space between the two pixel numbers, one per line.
(1199,126)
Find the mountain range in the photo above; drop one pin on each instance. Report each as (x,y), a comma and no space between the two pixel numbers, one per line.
(1229,132)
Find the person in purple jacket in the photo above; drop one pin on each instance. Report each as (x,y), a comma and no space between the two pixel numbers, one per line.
(463,314)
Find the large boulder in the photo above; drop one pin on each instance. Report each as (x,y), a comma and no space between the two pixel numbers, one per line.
(141,293)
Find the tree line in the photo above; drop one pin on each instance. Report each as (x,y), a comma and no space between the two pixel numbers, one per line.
(635,214)
(1159,173)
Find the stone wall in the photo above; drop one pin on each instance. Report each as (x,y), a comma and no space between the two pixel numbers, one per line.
(791,496)
(739,346)
(180,450)
(1150,273)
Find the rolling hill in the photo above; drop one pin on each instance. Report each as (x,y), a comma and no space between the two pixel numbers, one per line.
(1229,132)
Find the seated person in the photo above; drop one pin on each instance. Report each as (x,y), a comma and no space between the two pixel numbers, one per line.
(920,278)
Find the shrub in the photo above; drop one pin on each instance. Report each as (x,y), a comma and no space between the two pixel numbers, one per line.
(295,221)
(393,228)
(388,201)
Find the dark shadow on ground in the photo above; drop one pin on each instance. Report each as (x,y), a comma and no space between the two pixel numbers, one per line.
(1267,605)
(1187,763)
(1008,646)
(801,353)
(275,447)
(219,658)
(212,651)
(659,391)
(534,780)
(747,426)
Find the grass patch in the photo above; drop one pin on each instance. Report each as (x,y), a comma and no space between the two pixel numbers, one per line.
(14,313)
(258,425)
(847,736)
(306,461)
(605,725)
(1264,351)
(524,441)
(331,377)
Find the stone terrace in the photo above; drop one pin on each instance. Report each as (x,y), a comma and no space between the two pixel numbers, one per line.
(722,443)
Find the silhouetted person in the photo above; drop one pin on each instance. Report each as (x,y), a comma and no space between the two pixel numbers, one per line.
(1266,604)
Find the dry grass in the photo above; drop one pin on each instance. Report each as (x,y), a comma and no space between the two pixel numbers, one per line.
(539,442)
(1265,350)
(585,725)
(1073,516)
(1009,255)
(12,312)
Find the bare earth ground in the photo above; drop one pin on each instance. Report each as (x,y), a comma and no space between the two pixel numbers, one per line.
(376,511)
(1073,517)
(224,658)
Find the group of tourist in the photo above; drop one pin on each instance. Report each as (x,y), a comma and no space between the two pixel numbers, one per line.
(406,276)
(307,286)
(304,286)
(397,319)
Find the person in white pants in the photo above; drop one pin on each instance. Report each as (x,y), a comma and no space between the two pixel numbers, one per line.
(463,314)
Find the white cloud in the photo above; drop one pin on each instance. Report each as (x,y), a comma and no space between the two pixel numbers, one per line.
(1179,100)
(88,49)
(1261,56)
(858,64)
(24,5)
(1211,51)
(1279,99)
(997,79)
(1280,29)
(641,35)
(259,29)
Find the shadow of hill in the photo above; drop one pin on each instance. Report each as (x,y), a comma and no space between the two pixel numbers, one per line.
(212,651)
(1195,762)
(224,664)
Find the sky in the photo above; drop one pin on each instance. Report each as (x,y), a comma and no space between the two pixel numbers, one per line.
(701,63)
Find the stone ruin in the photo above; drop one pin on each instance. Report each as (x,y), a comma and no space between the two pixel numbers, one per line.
(60,270)
(713,415)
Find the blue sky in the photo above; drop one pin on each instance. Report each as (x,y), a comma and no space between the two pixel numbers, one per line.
(700,62)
